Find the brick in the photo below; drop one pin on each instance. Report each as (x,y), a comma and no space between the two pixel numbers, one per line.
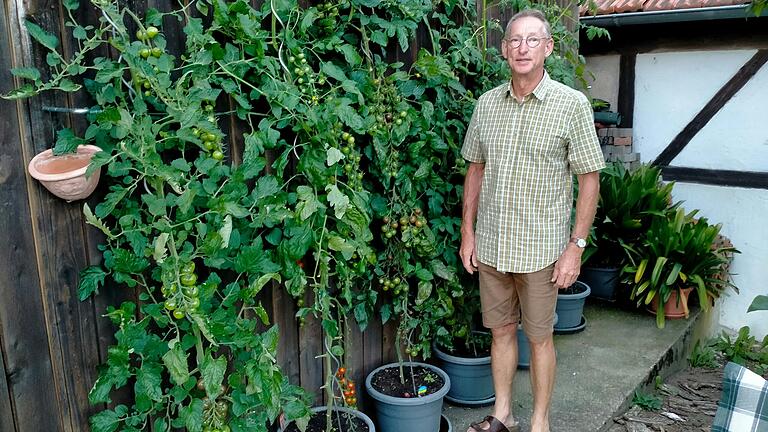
(630,157)
(622,132)
(622,141)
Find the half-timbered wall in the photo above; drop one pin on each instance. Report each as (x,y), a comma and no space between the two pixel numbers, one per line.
(696,95)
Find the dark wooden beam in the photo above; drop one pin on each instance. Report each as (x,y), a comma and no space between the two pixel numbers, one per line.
(744,179)
(626,103)
(714,105)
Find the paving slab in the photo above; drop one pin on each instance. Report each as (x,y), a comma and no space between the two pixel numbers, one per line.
(599,369)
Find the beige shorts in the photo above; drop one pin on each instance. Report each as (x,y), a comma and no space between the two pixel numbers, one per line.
(504,296)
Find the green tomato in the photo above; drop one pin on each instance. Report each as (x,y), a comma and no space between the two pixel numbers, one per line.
(209,145)
(156,52)
(178,314)
(170,304)
(188,279)
(192,291)
(188,267)
(152,32)
(194,303)
(141,35)
(145,52)
(218,155)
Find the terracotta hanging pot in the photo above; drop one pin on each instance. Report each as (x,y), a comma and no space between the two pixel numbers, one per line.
(64,175)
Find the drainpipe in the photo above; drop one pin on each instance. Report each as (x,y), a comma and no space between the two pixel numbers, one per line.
(667,16)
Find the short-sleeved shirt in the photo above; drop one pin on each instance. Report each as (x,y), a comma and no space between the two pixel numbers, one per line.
(530,150)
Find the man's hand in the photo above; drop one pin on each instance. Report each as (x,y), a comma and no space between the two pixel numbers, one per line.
(468,252)
(567,267)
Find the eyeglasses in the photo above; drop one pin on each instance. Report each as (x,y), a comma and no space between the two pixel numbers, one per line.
(531,41)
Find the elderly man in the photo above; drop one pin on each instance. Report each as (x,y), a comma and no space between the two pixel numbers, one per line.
(526,140)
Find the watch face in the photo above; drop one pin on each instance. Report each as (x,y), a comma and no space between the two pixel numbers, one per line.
(580,242)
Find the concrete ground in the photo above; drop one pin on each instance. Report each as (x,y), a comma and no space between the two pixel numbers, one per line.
(599,369)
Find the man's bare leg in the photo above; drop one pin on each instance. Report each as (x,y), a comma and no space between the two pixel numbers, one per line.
(503,366)
(543,364)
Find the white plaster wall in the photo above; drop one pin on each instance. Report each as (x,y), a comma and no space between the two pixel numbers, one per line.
(605,82)
(670,89)
(742,213)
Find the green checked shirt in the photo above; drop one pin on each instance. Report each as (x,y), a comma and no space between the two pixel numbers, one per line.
(531,151)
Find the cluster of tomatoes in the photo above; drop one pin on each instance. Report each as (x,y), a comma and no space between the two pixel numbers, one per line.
(305,77)
(413,223)
(352,157)
(347,387)
(396,284)
(387,105)
(211,142)
(185,300)
(215,413)
(146,37)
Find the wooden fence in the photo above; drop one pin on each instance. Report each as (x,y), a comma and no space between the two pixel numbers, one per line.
(52,343)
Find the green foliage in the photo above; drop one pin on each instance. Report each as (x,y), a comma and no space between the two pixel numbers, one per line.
(744,349)
(629,201)
(703,356)
(760,303)
(646,401)
(346,192)
(677,252)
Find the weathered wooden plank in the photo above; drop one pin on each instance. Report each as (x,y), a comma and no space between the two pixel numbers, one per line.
(70,324)
(283,314)
(744,179)
(372,354)
(311,346)
(355,357)
(626,103)
(24,342)
(389,333)
(6,411)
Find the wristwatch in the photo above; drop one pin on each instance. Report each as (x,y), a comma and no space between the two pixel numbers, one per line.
(579,242)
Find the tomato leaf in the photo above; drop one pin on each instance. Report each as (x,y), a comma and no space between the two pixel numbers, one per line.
(338,200)
(148,381)
(192,415)
(91,278)
(29,73)
(212,371)
(175,360)
(46,39)
(66,142)
(105,421)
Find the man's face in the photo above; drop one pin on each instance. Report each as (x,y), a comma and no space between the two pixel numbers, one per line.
(524,60)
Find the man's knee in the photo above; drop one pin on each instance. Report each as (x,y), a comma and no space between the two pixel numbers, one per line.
(543,344)
(504,334)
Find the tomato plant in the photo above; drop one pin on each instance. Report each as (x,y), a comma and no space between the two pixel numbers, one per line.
(348,192)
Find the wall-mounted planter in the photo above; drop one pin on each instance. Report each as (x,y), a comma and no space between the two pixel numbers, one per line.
(64,176)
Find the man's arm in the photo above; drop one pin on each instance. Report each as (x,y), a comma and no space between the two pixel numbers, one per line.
(568,266)
(472,182)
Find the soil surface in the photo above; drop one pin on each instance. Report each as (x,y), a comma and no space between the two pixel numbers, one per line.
(478,347)
(689,404)
(342,422)
(387,381)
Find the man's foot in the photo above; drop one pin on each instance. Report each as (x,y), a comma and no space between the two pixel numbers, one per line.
(492,424)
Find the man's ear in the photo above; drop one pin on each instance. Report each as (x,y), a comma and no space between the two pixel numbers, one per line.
(550,47)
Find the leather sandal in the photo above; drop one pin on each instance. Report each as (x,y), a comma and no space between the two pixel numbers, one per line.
(494,425)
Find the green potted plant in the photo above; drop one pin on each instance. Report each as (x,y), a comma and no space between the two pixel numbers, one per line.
(182,228)
(677,256)
(629,200)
